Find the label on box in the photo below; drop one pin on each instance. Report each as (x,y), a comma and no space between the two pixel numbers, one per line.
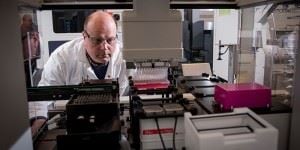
(155,131)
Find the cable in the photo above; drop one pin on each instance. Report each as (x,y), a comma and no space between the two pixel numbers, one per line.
(160,136)
(225,51)
(174,133)
(220,52)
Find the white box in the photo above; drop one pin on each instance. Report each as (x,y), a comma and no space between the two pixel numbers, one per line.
(239,130)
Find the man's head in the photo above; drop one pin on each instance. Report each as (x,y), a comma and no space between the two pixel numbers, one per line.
(100,36)
(27,21)
(27,25)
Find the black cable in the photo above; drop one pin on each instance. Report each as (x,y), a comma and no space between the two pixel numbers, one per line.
(160,136)
(220,52)
(225,51)
(174,133)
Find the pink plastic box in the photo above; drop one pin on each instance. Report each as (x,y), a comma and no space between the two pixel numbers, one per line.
(250,95)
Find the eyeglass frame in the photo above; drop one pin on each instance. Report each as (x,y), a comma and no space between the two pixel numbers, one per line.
(97,40)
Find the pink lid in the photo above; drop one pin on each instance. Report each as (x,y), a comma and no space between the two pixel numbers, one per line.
(242,86)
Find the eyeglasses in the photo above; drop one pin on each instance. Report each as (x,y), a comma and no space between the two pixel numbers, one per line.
(97,40)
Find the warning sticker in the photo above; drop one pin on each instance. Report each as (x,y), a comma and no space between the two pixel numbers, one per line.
(155,131)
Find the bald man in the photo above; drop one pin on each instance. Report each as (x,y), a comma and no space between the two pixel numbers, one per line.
(27,24)
(96,55)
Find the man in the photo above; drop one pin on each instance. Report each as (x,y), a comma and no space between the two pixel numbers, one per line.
(30,46)
(96,55)
(27,24)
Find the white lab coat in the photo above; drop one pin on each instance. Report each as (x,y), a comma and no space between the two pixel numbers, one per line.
(68,65)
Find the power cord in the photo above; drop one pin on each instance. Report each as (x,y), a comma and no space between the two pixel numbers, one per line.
(160,136)
(220,53)
(174,133)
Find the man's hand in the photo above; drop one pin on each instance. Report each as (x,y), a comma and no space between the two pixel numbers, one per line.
(36,126)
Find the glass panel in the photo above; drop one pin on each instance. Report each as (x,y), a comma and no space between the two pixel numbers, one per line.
(284,61)
(268,42)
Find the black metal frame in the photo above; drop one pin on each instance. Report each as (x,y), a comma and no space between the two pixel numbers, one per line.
(129,5)
(64,92)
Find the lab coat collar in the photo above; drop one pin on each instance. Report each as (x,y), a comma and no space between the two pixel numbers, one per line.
(111,70)
(82,54)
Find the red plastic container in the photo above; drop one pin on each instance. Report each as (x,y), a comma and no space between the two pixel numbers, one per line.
(251,95)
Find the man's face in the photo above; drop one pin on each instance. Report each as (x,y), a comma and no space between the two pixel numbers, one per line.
(100,41)
(27,21)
